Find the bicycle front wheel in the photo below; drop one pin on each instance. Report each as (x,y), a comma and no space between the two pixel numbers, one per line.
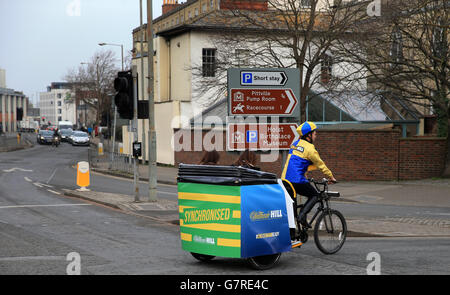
(330,231)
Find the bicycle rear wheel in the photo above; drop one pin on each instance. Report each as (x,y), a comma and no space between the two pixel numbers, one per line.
(330,231)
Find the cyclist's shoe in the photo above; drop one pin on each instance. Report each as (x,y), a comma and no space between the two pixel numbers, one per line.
(296,244)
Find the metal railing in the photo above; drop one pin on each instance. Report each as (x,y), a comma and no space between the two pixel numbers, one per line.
(119,162)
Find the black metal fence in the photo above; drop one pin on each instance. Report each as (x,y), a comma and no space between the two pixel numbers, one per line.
(110,161)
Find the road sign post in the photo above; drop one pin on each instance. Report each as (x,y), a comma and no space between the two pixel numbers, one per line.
(263,92)
(270,93)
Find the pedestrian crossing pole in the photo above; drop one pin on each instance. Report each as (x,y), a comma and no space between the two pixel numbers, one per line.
(152,175)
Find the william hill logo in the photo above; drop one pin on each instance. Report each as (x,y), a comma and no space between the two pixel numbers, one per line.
(259,215)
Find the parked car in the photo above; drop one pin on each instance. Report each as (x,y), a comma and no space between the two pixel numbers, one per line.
(45,137)
(65,134)
(79,138)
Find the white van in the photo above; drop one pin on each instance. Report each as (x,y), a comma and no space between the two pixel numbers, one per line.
(65,125)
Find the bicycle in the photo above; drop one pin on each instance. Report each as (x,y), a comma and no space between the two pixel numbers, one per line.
(330,229)
(55,141)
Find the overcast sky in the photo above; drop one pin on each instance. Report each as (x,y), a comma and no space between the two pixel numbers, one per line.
(41,40)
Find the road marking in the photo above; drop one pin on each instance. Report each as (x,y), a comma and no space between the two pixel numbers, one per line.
(37,184)
(53,174)
(35,206)
(27,179)
(57,193)
(6,259)
(19,169)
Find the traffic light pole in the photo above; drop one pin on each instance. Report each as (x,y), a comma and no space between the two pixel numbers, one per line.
(135,133)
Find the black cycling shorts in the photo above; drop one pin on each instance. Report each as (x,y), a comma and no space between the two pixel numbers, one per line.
(305,189)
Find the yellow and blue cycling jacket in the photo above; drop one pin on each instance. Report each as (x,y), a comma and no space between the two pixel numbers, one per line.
(303,157)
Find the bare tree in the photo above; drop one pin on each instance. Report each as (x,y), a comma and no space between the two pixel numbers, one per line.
(96,77)
(405,52)
(285,33)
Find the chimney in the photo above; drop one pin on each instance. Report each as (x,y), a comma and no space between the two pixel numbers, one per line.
(169,5)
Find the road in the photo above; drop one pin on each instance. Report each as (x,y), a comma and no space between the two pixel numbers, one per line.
(39,227)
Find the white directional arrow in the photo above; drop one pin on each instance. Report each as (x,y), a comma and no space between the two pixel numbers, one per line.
(292,102)
(17,169)
(294,130)
(261,78)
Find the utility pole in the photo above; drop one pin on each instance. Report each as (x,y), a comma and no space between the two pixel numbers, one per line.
(115,107)
(135,134)
(152,173)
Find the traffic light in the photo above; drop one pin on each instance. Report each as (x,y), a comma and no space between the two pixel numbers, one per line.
(124,97)
(19,114)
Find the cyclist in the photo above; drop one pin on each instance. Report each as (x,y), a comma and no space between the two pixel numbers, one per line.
(303,157)
(55,140)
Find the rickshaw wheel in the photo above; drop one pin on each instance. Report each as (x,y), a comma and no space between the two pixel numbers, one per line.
(202,257)
(264,262)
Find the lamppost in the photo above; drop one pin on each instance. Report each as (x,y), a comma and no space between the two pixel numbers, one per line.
(85,105)
(115,107)
(111,44)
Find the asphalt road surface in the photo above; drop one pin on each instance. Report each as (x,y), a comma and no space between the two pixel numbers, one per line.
(40,230)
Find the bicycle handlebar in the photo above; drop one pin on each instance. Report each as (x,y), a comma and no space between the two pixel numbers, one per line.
(323,182)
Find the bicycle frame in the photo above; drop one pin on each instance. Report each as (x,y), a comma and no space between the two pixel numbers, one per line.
(323,205)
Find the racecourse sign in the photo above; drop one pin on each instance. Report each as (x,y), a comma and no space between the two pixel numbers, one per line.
(263,101)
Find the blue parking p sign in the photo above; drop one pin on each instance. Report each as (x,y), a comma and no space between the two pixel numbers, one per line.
(247,78)
(252,136)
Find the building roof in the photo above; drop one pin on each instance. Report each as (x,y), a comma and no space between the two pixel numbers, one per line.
(8,91)
(219,109)
(230,21)
(362,106)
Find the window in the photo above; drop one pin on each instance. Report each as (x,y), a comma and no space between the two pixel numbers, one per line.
(59,118)
(59,103)
(242,57)
(59,111)
(209,62)
(196,11)
(189,15)
(326,69)
(204,7)
(59,95)
(211,3)
(306,3)
(439,43)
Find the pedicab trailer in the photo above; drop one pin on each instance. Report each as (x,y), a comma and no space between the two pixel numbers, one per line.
(234,212)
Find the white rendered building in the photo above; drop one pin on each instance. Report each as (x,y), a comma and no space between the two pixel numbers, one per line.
(57,104)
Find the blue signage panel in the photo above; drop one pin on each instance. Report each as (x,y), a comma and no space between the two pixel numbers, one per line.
(252,136)
(264,222)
